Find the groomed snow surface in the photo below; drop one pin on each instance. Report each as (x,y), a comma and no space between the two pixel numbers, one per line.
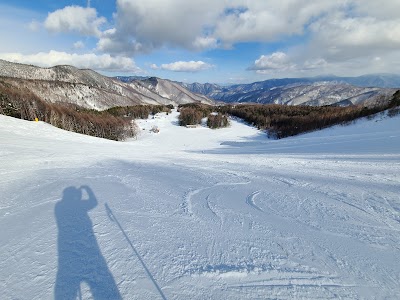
(195,213)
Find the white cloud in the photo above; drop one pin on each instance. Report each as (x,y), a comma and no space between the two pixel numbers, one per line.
(315,64)
(342,37)
(111,42)
(295,64)
(201,43)
(325,36)
(283,64)
(186,66)
(266,21)
(82,20)
(79,45)
(103,62)
(353,37)
(146,25)
(275,61)
(329,34)
(154,67)
(382,11)
(141,26)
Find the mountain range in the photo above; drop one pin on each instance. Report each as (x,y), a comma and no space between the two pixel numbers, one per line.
(89,89)
(92,90)
(321,90)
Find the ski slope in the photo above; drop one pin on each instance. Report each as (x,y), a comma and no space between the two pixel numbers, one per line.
(199,213)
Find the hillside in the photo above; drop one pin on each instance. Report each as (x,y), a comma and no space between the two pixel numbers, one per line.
(303,91)
(90,89)
(200,213)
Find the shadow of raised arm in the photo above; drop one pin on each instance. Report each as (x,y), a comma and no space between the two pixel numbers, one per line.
(91,202)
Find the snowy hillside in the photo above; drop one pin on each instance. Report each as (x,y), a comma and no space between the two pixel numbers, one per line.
(90,89)
(200,214)
(316,91)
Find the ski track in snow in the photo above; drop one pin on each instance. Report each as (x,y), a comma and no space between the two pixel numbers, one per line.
(250,200)
(224,214)
(192,195)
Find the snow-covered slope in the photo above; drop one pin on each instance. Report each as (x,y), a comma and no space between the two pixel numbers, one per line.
(200,214)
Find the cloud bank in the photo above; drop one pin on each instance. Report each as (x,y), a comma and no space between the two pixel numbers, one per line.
(102,62)
(184,66)
(147,25)
(307,36)
(341,34)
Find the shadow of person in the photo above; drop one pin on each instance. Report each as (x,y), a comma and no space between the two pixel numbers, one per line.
(79,256)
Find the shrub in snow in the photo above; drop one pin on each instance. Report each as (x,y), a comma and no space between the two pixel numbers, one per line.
(189,116)
(218,120)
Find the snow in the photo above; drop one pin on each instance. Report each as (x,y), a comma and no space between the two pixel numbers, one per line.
(195,213)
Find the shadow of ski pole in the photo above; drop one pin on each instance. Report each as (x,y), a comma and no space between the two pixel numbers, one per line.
(113,218)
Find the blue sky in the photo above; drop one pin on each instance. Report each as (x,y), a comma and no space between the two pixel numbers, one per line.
(219,41)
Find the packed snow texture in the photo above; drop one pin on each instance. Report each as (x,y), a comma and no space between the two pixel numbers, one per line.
(195,213)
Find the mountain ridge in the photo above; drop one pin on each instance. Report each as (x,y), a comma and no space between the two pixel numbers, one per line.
(87,88)
(320,90)
(92,90)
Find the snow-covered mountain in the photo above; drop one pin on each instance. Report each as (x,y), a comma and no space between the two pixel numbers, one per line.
(306,91)
(316,94)
(90,89)
(168,89)
(370,80)
(205,89)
